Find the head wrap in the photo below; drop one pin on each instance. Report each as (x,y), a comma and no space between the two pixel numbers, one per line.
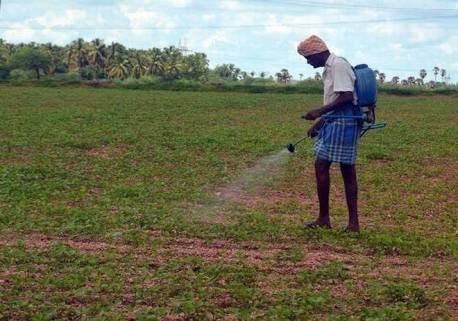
(311,45)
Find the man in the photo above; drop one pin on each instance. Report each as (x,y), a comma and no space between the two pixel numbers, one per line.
(336,137)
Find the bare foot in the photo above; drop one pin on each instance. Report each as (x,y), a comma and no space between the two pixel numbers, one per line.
(352,228)
(318,223)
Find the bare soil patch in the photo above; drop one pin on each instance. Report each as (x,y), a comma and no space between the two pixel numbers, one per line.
(41,241)
(106,151)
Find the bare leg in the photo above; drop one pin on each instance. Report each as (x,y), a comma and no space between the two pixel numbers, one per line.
(351,194)
(322,185)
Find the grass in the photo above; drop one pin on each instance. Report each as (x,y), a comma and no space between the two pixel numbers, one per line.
(108,210)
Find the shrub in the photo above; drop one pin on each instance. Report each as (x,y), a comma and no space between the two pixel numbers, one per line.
(20,74)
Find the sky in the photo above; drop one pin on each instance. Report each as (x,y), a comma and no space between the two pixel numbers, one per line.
(397,37)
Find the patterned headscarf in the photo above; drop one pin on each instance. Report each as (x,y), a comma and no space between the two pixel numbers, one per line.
(310,46)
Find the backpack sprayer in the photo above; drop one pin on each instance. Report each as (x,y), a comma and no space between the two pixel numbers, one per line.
(366,90)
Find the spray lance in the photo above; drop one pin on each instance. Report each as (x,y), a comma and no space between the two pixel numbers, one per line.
(292,147)
(364,128)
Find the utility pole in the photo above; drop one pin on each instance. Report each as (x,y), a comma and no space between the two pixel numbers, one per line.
(183,47)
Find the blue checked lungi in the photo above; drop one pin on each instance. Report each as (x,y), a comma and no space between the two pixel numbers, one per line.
(338,138)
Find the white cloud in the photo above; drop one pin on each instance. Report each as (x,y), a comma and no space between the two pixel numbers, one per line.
(41,28)
(20,32)
(230,5)
(274,26)
(450,46)
(139,18)
(209,17)
(385,29)
(425,32)
(396,47)
(180,3)
(65,19)
(218,37)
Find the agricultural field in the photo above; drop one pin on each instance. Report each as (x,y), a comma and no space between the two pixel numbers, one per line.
(123,204)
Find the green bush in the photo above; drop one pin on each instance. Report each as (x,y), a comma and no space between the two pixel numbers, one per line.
(20,74)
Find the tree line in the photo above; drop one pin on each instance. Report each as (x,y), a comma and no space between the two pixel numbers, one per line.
(96,60)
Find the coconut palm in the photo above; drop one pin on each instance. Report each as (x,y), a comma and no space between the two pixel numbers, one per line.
(395,80)
(120,69)
(173,57)
(116,54)
(139,66)
(381,77)
(155,63)
(262,74)
(77,54)
(56,55)
(97,53)
(195,66)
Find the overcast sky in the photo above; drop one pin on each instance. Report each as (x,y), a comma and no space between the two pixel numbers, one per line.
(398,37)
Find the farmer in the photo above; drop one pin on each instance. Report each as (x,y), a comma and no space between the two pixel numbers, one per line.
(336,137)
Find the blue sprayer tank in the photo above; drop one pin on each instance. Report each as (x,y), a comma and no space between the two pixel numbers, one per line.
(366,90)
(366,86)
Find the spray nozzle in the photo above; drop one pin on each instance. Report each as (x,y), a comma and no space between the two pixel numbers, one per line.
(291,148)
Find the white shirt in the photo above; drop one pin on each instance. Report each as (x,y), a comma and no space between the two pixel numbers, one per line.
(337,76)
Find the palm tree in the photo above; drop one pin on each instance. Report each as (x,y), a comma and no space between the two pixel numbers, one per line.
(443,74)
(195,66)
(97,53)
(139,67)
(155,64)
(436,72)
(77,54)
(252,74)
(423,74)
(56,54)
(262,74)
(120,70)
(173,62)
(228,72)
(116,54)
(395,80)
(381,77)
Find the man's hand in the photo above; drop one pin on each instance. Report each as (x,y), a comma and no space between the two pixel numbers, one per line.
(315,128)
(312,132)
(312,114)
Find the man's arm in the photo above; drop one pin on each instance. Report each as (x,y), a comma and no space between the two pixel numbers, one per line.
(343,99)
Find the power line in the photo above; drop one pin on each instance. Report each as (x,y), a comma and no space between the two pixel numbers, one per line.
(357,6)
(253,26)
